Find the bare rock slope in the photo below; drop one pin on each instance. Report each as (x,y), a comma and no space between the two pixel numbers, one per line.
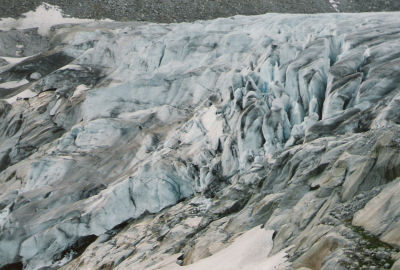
(191,10)
(163,146)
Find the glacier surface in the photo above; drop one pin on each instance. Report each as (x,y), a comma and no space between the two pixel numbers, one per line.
(121,120)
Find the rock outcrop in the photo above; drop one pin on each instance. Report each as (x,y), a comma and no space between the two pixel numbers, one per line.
(150,146)
(167,11)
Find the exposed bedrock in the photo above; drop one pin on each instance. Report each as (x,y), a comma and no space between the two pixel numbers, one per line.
(125,145)
(186,10)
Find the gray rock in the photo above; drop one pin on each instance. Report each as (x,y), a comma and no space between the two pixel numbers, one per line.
(381,215)
(170,11)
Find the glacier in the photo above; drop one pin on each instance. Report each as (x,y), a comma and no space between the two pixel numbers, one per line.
(273,119)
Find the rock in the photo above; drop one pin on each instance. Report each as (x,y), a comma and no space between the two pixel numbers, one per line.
(314,258)
(3,62)
(35,76)
(336,260)
(380,216)
(170,11)
(396,265)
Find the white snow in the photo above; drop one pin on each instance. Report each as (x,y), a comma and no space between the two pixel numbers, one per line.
(44,17)
(250,251)
(80,89)
(13,84)
(212,123)
(71,67)
(28,93)
(13,60)
(334,4)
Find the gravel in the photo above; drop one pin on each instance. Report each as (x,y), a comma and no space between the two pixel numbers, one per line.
(190,10)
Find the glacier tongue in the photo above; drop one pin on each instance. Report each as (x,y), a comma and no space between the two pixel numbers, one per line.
(130,118)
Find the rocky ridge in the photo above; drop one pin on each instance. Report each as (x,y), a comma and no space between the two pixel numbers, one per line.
(150,146)
(167,11)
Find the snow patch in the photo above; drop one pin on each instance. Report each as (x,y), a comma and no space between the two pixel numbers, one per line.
(44,17)
(71,67)
(28,93)
(214,125)
(13,84)
(79,90)
(335,4)
(250,251)
(13,60)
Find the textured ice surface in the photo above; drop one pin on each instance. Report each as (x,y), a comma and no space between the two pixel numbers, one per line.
(131,118)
